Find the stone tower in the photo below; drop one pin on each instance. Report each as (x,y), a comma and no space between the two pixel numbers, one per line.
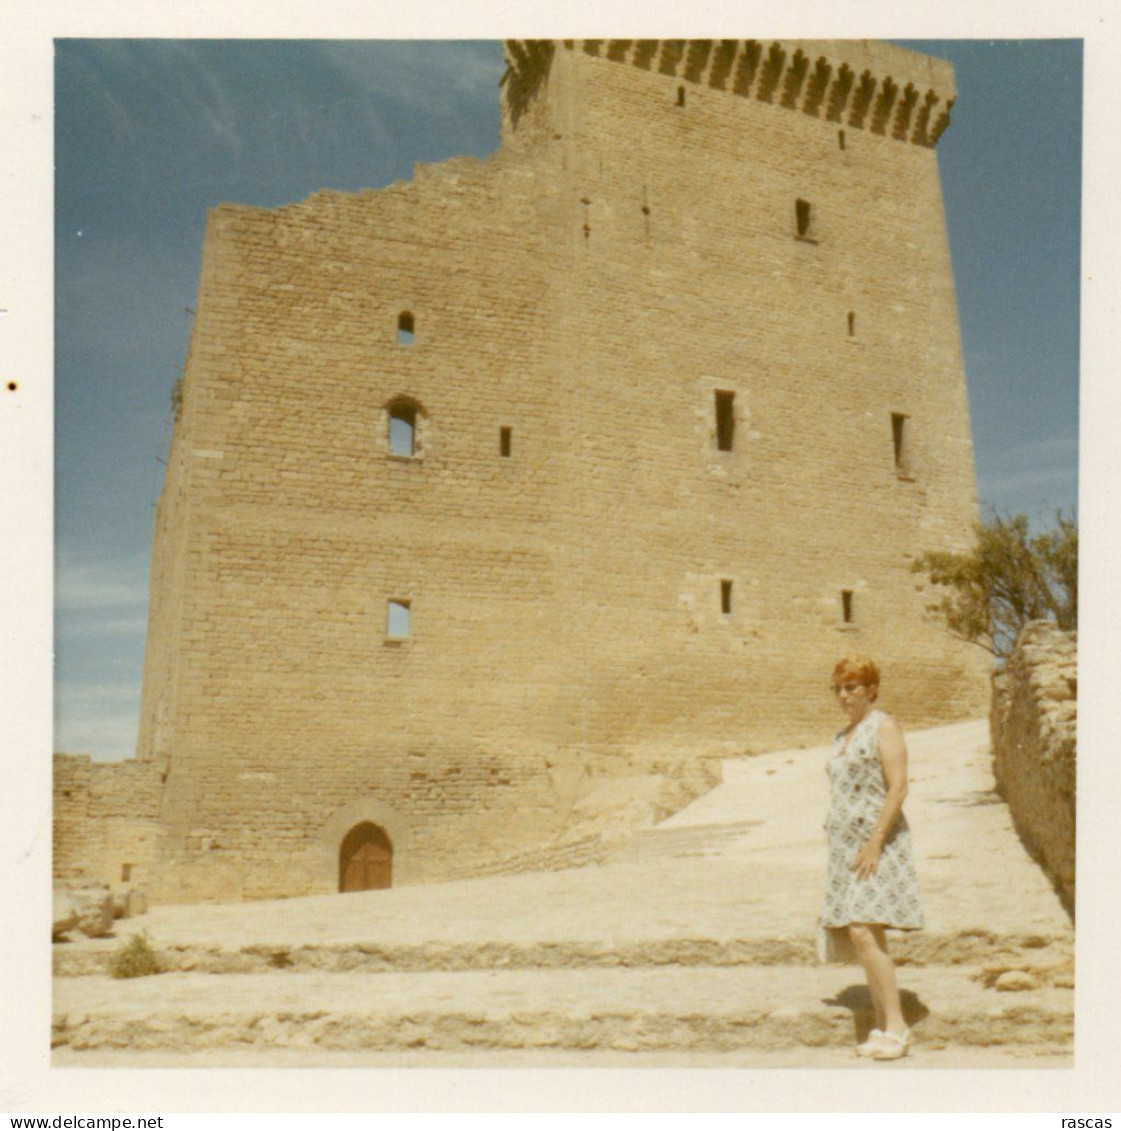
(584,460)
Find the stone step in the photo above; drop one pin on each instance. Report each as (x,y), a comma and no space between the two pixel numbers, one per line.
(682,840)
(702,1009)
(1048,959)
(937,1055)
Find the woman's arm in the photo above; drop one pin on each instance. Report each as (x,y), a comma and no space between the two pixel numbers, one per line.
(893,760)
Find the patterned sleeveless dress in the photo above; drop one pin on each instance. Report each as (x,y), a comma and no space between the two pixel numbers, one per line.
(857,792)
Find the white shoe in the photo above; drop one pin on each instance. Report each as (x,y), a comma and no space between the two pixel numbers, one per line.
(871,1044)
(891,1046)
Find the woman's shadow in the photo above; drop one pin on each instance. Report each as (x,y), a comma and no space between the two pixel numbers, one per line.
(859,1000)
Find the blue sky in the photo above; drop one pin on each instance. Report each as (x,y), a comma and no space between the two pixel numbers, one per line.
(150,134)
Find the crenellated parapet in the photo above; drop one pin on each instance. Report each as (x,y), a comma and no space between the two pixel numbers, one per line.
(858,84)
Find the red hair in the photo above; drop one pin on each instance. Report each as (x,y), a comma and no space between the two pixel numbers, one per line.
(858,669)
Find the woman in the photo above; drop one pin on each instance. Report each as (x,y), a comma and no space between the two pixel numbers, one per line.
(870,883)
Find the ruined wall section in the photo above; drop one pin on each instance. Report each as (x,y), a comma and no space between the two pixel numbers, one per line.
(1034,731)
(106,820)
(292,702)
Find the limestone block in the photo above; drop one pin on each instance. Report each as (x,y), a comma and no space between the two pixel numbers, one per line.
(1016,981)
(64,914)
(128,903)
(92,908)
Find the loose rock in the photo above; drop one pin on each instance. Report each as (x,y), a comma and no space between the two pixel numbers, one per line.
(1014,981)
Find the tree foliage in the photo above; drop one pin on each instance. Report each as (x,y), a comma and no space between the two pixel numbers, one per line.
(1009,578)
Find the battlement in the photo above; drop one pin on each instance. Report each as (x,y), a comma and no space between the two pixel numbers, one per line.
(862,84)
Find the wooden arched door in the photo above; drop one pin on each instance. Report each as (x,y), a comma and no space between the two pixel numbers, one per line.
(365,859)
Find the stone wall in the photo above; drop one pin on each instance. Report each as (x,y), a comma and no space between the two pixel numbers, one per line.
(1034,723)
(106,821)
(673,456)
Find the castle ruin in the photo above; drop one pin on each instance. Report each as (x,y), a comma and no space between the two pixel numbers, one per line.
(585,460)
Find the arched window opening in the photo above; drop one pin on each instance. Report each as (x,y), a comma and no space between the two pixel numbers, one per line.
(365,859)
(406,329)
(402,428)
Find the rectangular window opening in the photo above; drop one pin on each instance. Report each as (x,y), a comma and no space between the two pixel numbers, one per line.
(802,216)
(852,323)
(397,619)
(505,441)
(846,606)
(725,420)
(901,443)
(725,596)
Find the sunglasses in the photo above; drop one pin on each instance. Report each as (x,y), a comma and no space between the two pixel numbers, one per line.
(851,688)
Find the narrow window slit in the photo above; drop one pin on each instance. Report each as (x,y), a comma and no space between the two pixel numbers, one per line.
(505,440)
(852,323)
(681,96)
(901,444)
(802,218)
(841,138)
(725,420)
(725,596)
(846,606)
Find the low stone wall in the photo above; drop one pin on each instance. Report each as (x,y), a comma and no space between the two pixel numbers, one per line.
(1034,722)
(106,821)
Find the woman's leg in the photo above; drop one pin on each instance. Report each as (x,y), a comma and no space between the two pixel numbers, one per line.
(870,944)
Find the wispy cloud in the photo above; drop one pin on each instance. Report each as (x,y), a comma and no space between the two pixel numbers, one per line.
(1030,479)
(92,584)
(101,617)
(418,72)
(1036,479)
(99,720)
(105,694)
(134,626)
(1047,448)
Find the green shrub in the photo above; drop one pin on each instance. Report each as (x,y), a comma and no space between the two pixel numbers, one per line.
(134,959)
(1009,578)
